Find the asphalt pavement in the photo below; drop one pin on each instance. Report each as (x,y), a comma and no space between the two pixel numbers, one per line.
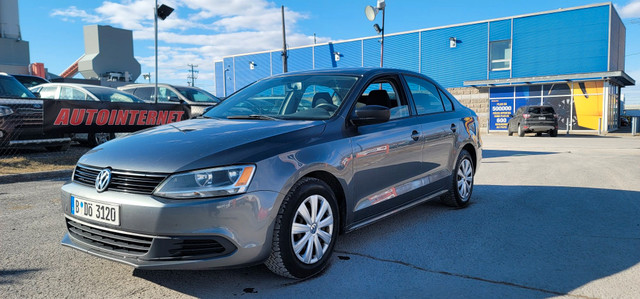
(549,217)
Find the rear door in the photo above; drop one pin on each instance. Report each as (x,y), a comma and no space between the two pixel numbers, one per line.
(439,126)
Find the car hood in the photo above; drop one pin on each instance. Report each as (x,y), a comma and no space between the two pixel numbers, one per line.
(201,143)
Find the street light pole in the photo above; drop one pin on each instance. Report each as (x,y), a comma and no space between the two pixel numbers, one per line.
(382,38)
(155,27)
(371,12)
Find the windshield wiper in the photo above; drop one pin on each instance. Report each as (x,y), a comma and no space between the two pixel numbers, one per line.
(252,116)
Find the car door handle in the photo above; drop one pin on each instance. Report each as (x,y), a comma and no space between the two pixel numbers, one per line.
(453,128)
(415,135)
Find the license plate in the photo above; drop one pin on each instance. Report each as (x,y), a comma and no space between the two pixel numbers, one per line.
(541,117)
(96,211)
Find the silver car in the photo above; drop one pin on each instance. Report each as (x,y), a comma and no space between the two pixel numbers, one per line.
(274,173)
(196,98)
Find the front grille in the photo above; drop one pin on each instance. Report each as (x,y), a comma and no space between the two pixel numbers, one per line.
(125,181)
(108,240)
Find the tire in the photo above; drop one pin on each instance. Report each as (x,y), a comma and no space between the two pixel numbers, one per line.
(58,148)
(520,131)
(553,133)
(320,233)
(461,182)
(95,139)
(509,132)
(539,134)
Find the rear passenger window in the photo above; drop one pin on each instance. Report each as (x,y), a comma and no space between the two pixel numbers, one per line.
(448,106)
(425,95)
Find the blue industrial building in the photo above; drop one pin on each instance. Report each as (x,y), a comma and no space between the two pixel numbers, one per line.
(570,58)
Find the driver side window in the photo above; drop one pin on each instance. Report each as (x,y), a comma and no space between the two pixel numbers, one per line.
(384,93)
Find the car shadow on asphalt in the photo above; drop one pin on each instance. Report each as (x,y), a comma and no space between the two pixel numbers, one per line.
(486,153)
(540,240)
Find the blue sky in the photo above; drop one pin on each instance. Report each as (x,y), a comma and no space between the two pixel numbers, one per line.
(201,31)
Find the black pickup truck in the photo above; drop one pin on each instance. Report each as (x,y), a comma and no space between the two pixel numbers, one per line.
(21,123)
(534,119)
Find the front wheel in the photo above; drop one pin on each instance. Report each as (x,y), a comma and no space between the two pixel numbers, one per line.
(462,182)
(306,230)
(95,139)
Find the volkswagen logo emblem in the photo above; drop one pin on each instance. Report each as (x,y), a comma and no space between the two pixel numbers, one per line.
(103,179)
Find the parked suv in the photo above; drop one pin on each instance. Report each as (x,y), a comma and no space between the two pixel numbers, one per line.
(21,121)
(197,99)
(534,119)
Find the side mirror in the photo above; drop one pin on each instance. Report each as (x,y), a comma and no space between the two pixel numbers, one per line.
(35,93)
(369,115)
(174,99)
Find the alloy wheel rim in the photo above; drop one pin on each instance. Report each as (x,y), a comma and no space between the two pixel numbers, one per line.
(312,229)
(465,179)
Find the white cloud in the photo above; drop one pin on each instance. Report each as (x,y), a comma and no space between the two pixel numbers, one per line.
(198,31)
(631,10)
(72,12)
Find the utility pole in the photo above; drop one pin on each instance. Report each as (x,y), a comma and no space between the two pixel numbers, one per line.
(193,74)
(284,44)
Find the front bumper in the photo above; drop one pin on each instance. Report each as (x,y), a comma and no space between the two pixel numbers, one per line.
(157,233)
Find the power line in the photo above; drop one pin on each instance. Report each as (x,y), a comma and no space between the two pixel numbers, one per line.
(193,74)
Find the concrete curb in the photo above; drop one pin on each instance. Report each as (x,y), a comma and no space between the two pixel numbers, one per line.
(35,176)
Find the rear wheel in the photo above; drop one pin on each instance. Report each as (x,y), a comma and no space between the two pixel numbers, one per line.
(509,132)
(520,131)
(462,182)
(539,134)
(306,230)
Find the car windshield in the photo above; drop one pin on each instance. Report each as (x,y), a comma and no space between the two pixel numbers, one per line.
(197,95)
(11,88)
(112,95)
(301,97)
(30,81)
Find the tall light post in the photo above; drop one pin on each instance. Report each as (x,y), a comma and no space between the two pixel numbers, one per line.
(161,12)
(371,13)
(224,82)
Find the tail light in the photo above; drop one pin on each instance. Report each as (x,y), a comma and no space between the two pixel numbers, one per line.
(526,115)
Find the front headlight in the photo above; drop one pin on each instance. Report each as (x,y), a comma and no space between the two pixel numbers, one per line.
(4,111)
(207,182)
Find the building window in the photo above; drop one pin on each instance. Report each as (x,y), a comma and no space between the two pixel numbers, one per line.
(500,55)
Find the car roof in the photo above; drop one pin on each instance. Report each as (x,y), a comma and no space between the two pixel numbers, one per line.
(74,85)
(360,71)
(159,84)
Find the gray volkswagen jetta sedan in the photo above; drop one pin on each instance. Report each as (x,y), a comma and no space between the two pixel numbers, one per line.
(274,173)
